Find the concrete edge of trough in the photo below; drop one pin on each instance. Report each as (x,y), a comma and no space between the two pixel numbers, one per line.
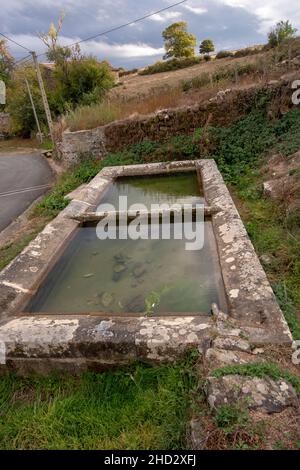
(252,304)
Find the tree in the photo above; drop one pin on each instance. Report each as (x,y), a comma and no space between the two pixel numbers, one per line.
(178,42)
(206,46)
(82,81)
(19,105)
(55,52)
(281,32)
(6,62)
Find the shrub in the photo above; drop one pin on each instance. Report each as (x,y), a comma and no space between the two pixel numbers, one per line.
(197,82)
(224,54)
(247,51)
(169,65)
(18,102)
(83,81)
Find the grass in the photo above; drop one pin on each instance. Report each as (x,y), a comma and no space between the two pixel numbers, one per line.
(137,407)
(277,235)
(11,250)
(89,117)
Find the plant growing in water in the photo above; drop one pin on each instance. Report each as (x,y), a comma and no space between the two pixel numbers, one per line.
(152,300)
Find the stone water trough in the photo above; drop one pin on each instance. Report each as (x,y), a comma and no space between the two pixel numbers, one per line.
(75,341)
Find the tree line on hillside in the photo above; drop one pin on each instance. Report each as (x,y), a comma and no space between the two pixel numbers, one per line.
(180,44)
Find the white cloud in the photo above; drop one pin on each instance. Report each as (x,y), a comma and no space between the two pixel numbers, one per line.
(196,10)
(270,12)
(100,49)
(128,51)
(166,16)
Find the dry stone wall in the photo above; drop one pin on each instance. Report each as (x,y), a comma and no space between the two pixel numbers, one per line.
(225,108)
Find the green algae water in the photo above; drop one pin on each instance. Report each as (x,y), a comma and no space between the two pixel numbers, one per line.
(132,276)
(174,188)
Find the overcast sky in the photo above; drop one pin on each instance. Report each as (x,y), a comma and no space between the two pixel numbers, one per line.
(230,23)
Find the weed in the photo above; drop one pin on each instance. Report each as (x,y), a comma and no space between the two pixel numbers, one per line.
(230,416)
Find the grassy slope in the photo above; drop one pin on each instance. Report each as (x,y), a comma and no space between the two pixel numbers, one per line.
(139,407)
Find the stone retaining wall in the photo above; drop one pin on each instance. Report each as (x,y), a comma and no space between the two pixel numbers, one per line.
(225,108)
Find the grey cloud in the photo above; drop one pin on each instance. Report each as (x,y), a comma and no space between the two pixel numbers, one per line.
(229,27)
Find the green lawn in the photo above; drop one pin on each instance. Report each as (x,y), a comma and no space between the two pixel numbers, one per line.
(138,407)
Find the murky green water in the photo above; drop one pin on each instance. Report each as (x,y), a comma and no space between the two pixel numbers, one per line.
(127,276)
(179,187)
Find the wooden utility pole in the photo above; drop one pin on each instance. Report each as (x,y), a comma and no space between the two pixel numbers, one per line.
(44,96)
(34,111)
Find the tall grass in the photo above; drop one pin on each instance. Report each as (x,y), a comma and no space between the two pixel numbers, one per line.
(89,117)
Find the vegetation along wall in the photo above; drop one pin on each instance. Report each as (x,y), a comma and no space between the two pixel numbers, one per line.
(225,108)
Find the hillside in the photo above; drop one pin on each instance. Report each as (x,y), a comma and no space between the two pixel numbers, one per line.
(137,85)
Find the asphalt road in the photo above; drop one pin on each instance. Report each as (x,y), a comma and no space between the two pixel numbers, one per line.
(23,178)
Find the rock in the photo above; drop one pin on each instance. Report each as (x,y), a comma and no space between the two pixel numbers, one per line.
(120,258)
(198,433)
(139,270)
(269,189)
(118,271)
(232,344)
(265,394)
(106,299)
(215,358)
(265,259)
(119,268)
(217,314)
(136,305)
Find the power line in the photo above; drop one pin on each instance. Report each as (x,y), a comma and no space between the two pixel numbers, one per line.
(15,42)
(127,24)
(18,62)
(116,28)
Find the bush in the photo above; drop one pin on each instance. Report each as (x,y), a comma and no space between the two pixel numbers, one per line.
(19,105)
(247,51)
(197,82)
(83,81)
(224,54)
(124,73)
(169,65)
(79,82)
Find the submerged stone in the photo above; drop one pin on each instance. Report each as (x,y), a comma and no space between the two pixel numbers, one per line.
(139,270)
(119,268)
(106,299)
(136,304)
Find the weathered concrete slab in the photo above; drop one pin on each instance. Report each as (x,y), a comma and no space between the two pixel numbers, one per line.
(99,342)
